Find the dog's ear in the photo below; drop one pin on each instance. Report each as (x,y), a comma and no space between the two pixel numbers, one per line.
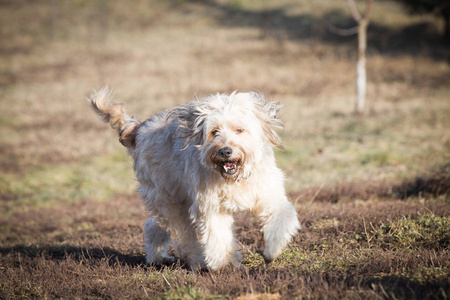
(195,136)
(192,122)
(267,112)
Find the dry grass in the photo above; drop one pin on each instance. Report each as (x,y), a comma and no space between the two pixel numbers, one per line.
(70,222)
(347,248)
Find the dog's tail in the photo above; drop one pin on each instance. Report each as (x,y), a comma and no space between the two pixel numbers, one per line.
(115,114)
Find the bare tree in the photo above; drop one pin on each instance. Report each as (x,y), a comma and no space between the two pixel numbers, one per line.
(361,30)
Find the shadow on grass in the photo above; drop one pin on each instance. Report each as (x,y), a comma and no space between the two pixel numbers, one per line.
(435,185)
(95,254)
(77,253)
(418,39)
(432,185)
(398,287)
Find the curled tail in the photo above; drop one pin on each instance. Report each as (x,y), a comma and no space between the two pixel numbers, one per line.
(115,114)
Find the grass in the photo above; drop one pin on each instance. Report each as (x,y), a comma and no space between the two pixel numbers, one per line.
(371,191)
(428,231)
(344,250)
(94,178)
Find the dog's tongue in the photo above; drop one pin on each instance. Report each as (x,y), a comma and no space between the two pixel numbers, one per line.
(229,164)
(230,167)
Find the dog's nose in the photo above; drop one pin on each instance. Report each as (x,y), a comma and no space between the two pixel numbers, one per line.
(225,152)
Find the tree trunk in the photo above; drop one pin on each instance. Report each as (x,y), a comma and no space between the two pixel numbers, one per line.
(361,80)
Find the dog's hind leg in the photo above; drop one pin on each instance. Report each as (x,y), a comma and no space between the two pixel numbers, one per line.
(157,240)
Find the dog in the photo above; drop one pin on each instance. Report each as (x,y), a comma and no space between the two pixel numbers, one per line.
(196,165)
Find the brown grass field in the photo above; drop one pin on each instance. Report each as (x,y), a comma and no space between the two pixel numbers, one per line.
(371,191)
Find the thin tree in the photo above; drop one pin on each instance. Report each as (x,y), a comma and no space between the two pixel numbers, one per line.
(361,30)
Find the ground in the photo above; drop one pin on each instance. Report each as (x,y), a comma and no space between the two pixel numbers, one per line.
(371,191)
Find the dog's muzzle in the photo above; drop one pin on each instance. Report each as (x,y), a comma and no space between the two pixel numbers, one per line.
(229,166)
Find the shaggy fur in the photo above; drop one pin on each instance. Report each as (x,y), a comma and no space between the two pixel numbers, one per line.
(197,164)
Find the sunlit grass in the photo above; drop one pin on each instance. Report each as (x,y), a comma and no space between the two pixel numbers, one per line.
(96,179)
(399,143)
(383,243)
(428,231)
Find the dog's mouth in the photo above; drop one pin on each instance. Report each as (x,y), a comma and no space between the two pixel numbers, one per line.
(229,167)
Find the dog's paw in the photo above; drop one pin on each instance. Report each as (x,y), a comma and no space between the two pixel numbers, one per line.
(163,261)
(168,260)
(268,258)
(198,267)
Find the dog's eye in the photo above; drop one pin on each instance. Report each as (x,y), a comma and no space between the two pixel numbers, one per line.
(239,130)
(215,132)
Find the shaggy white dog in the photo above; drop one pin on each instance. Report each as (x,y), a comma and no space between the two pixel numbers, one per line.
(197,164)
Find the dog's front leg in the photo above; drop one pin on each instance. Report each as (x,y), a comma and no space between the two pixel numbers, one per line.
(279,223)
(220,246)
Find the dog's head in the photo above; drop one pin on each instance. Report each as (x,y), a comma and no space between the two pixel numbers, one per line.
(233,132)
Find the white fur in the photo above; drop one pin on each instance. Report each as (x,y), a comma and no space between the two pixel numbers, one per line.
(189,194)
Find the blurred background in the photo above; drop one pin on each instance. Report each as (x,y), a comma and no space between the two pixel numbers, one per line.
(156,54)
